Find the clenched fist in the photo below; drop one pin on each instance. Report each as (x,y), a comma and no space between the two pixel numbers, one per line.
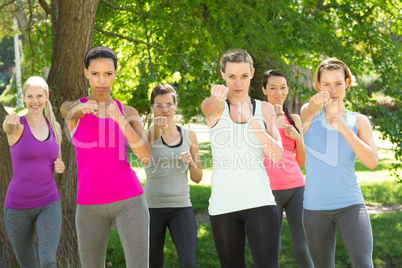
(161,122)
(219,93)
(59,166)
(13,119)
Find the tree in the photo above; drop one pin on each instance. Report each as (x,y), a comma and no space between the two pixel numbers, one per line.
(180,42)
(72,33)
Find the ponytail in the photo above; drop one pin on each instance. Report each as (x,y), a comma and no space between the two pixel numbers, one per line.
(289,116)
(52,121)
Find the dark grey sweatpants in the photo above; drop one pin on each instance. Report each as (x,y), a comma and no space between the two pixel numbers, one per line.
(20,225)
(292,201)
(355,227)
(94,222)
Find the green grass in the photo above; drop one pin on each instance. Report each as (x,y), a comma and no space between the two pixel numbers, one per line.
(387,231)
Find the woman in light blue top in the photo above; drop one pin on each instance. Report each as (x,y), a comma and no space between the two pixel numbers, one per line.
(334,137)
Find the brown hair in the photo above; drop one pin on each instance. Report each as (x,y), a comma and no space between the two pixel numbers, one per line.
(330,65)
(236,55)
(162,90)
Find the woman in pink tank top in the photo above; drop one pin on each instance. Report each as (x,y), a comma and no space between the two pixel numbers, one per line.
(286,179)
(107,187)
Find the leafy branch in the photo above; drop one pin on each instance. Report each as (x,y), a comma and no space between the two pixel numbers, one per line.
(176,55)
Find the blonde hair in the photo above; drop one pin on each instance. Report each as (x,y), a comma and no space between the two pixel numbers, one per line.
(48,111)
(237,56)
(329,65)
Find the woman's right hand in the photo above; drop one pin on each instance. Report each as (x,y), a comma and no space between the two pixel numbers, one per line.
(89,107)
(13,120)
(219,93)
(161,122)
(321,97)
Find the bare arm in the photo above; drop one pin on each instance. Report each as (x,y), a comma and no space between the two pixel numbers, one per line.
(130,125)
(155,131)
(313,108)
(213,106)
(13,128)
(195,162)
(271,141)
(362,144)
(73,111)
(298,138)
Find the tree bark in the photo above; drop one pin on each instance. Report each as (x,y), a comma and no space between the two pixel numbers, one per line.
(72,34)
(7,257)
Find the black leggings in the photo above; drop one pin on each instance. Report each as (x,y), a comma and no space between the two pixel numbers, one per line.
(263,232)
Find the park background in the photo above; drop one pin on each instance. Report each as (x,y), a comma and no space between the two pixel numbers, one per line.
(180,42)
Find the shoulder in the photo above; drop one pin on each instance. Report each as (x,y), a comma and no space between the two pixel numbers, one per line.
(191,136)
(363,121)
(57,124)
(296,118)
(267,108)
(266,105)
(129,110)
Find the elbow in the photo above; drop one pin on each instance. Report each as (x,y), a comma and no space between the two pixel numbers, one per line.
(145,160)
(373,164)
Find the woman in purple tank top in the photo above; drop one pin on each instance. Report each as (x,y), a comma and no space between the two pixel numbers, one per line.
(32,198)
(108,189)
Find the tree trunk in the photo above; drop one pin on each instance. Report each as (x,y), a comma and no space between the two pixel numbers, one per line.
(7,258)
(72,34)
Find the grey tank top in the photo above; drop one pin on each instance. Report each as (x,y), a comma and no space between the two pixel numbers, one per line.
(167,182)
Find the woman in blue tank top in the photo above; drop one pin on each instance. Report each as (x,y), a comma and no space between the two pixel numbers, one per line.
(334,137)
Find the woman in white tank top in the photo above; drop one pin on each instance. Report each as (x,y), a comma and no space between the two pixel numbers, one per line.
(242,130)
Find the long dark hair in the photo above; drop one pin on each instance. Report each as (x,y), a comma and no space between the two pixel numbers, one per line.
(267,75)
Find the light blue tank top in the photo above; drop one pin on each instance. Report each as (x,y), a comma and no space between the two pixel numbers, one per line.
(331,181)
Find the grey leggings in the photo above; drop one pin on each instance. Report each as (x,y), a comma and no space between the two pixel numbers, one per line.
(355,227)
(93,227)
(292,201)
(20,225)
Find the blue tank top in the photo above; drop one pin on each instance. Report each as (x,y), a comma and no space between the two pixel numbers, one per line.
(331,181)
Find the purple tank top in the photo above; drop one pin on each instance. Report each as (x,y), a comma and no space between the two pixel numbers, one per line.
(103,172)
(32,184)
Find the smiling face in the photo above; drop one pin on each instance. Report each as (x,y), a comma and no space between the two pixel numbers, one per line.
(334,82)
(164,105)
(101,74)
(35,98)
(276,90)
(238,76)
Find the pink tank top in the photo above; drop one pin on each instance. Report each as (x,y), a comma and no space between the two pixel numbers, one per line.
(286,174)
(103,172)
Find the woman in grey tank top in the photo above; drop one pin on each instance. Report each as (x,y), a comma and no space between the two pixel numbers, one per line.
(174,152)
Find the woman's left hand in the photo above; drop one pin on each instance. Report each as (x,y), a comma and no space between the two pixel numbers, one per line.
(186,158)
(337,122)
(112,110)
(59,166)
(291,132)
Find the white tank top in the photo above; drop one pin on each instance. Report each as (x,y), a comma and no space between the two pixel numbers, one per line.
(239,180)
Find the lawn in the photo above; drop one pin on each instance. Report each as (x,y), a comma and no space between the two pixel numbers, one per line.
(377,188)
(387,231)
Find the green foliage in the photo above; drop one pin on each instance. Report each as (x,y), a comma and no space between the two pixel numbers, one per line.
(180,42)
(385,193)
